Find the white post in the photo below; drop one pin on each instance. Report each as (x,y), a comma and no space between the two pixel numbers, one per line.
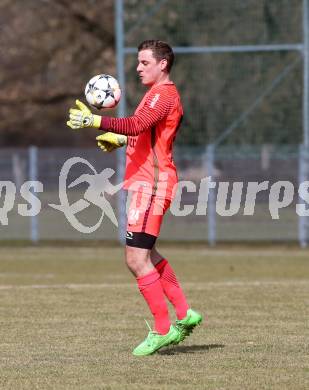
(212,228)
(33,174)
(306,73)
(303,221)
(303,166)
(121,111)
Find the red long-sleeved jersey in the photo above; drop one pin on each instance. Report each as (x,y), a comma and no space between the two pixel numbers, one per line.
(151,132)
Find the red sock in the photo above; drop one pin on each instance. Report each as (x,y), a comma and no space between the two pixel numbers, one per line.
(172,289)
(150,287)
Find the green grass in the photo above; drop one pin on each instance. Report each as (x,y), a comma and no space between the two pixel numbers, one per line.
(70,317)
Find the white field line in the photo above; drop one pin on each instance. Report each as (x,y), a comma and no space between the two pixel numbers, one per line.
(253,253)
(198,286)
(24,274)
(20,253)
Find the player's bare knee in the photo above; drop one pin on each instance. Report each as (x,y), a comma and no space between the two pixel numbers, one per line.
(131,259)
(138,260)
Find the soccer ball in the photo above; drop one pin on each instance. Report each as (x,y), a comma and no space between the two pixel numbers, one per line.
(103,91)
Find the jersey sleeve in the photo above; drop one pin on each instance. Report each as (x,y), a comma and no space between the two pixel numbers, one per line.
(157,106)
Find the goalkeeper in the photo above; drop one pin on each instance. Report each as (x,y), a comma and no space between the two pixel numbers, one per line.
(150,178)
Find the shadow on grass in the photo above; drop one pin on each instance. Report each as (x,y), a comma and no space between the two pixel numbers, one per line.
(189,349)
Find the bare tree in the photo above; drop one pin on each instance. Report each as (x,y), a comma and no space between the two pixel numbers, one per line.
(49,50)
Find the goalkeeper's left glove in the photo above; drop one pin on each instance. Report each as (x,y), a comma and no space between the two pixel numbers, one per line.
(83,117)
(110,141)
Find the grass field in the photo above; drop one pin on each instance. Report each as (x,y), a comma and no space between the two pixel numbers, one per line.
(70,317)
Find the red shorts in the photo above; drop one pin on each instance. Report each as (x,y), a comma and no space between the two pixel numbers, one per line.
(145,213)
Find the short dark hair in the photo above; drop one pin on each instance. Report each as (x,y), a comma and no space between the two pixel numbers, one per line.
(160,50)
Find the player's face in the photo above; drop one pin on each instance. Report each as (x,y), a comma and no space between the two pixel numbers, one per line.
(149,69)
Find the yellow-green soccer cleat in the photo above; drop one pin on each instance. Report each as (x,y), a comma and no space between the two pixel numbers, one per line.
(187,324)
(155,341)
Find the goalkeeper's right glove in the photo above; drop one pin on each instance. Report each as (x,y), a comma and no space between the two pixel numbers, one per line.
(82,117)
(110,141)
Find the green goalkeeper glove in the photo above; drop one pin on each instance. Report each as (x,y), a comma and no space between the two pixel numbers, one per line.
(110,141)
(83,117)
